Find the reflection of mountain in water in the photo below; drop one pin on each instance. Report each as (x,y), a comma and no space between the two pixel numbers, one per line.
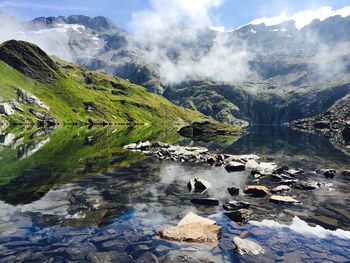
(43,160)
(283,145)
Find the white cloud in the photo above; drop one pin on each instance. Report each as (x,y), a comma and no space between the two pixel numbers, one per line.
(301,227)
(304,18)
(176,37)
(54,41)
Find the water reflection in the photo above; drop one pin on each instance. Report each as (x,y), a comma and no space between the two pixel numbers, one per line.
(80,195)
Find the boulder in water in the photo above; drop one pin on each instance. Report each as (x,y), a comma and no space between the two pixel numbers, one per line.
(256,190)
(192,228)
(246,246)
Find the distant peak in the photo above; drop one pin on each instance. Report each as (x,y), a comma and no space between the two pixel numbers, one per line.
(98,23)
(303,18)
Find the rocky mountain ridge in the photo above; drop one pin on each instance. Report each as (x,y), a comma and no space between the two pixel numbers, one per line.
(295,73)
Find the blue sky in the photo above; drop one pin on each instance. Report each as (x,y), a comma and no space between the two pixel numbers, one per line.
(231,14)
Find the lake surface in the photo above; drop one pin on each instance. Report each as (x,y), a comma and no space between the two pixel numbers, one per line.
(74,195)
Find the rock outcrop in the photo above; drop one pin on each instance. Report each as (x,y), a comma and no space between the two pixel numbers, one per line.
(5,108)
(29,98)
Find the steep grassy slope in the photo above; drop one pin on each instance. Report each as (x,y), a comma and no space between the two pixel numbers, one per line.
(75,95)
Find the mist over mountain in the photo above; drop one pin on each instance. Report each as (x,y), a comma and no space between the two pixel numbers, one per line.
(258,73)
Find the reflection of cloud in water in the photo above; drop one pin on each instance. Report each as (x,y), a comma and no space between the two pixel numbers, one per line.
(217,176)
(301,227)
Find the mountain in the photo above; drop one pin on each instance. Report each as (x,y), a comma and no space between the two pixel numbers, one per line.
(37,88)
(293,73)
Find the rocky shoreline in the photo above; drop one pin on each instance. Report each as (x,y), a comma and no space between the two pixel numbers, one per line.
(238,211)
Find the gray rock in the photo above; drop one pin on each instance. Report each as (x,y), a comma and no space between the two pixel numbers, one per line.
(5,108)
(251,165)
(235,205)
(280,189)
(265,168)
(29,98)
(7,139)
(283,199)
(235,166)
(294,172)
(198,185)
(246,246)
(256,190)
(240,215)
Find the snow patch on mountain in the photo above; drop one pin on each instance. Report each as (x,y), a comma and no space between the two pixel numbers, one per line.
(303,18)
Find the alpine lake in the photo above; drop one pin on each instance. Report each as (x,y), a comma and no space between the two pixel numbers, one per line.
(75,195)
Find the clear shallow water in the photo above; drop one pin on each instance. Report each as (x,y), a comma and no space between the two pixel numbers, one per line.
(75,195)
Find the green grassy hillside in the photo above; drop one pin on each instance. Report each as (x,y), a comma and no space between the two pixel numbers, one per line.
(75,95)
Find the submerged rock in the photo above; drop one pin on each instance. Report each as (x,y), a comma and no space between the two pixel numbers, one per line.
(283,199)
(233,190)
(192,228)
(240,216)
(246,246)
(345,173)
(235,166)
(199,185)
(205,201)
(256,190)
(328,173)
